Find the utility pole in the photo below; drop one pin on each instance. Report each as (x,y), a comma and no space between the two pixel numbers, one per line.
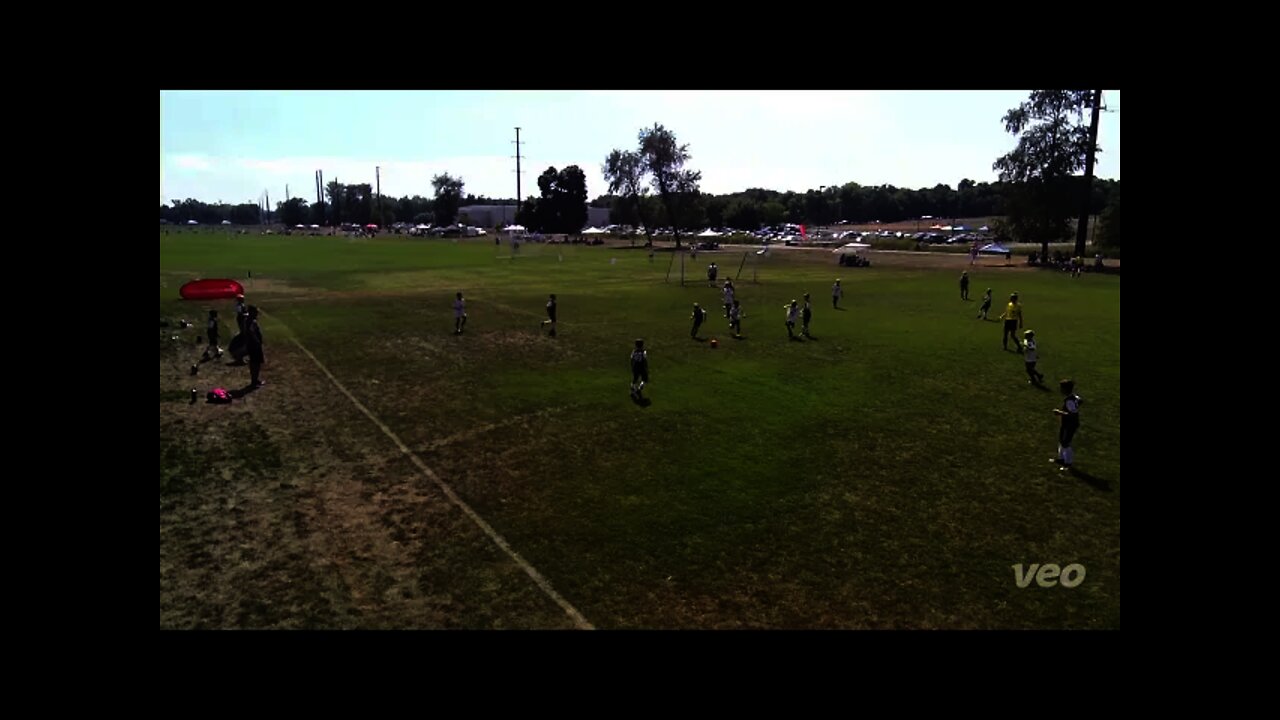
(325,219)
(519,197)
(377,174)
(1082,228)
(268,194)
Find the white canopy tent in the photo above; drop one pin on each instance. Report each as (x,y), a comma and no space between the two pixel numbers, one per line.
(593,231)
(708,233)
(851,247)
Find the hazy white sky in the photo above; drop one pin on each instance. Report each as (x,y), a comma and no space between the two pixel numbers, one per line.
(232,146)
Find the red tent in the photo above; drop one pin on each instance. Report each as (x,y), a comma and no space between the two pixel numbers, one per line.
(211,290)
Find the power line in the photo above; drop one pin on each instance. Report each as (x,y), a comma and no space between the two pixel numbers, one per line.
(519,172)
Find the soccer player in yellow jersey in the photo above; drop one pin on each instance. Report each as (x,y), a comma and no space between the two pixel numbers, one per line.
(1012,317)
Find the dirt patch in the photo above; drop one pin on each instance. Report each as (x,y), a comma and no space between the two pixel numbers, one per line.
(289,509)
(511,342)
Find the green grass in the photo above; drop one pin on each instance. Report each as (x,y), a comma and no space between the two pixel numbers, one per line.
(887,474)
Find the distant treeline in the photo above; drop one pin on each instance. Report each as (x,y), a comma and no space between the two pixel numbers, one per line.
(357,204)
(746,210)
(850,202)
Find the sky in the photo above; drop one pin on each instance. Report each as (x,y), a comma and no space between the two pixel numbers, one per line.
(231,146)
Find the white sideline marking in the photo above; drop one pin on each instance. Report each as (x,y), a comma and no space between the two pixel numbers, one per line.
(501,542)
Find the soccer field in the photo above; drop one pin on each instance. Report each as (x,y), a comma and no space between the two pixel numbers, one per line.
(890,472)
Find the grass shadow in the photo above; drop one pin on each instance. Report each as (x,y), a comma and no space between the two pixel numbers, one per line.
(1094,481)
(641,401)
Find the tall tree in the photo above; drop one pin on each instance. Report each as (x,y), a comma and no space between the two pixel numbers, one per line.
(562,207)
(333,190)
(1053,144)
(292,212)
(692,206)
(544,209)
(624,171)
(1109,222)
(663,159)
(318,213)
(1086,192)
(571,199)
(357,203)
(448,197)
